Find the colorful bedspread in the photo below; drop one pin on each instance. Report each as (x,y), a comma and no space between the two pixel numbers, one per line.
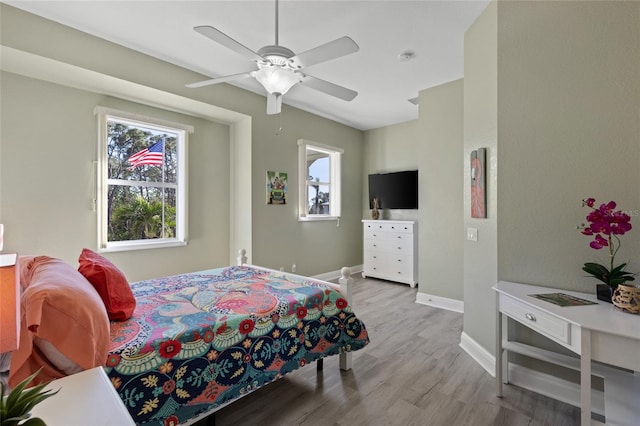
(199,340)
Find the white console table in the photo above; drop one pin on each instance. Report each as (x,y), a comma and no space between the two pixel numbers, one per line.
(595,332)
(85,398)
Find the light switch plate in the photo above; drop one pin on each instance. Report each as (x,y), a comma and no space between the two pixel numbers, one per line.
(472,234)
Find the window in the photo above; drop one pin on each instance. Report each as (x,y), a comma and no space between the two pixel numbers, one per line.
(141,191)
(319,177)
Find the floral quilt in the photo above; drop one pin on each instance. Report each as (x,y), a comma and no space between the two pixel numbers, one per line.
(199,340)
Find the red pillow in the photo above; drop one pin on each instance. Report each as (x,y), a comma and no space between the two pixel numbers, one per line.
(110,282)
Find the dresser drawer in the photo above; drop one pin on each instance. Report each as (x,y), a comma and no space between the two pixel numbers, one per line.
(537,319)
(388,226)
(398,268)
(399,246)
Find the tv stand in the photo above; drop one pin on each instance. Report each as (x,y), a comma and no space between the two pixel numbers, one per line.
(390,248)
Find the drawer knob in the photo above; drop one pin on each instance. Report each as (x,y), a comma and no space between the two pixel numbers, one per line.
(530,317)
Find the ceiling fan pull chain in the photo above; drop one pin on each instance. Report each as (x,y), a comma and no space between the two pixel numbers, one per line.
(277,23)
(280,129)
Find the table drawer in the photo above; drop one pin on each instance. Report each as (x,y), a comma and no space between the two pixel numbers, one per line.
(537,319)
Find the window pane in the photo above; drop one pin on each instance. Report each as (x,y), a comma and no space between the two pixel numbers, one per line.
(141,213)
(318,166)
(141,153)
(319,199)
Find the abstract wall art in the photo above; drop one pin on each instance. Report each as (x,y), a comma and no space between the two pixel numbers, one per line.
(478,183)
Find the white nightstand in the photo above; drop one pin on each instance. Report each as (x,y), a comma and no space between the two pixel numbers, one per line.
(86,398)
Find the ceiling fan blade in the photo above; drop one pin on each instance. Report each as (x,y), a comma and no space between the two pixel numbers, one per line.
(220,37)
(329,88)
(274,103)
(325,52)
(219,80)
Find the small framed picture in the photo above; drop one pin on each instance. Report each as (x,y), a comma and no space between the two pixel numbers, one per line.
(276,188)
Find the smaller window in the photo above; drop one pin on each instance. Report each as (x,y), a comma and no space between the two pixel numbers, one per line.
(319,177)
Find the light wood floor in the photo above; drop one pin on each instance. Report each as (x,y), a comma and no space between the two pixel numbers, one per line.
(412,373)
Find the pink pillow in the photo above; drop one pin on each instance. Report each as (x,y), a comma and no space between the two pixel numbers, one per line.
(111,284)
(60,306)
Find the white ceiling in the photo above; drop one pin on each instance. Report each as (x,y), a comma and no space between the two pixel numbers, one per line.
(433,30)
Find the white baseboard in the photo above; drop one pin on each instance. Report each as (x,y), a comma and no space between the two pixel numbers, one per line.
(478,353)
(334,275)
(535,381)
(440,302)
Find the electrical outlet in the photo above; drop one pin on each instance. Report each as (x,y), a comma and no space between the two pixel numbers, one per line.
(472,234)
(293,268)
(282,269)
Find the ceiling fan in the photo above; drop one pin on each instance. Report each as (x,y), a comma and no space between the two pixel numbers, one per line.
(280,68)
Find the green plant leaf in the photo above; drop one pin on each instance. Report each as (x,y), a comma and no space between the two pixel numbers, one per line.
(35,421)
(17,406)
(14,395)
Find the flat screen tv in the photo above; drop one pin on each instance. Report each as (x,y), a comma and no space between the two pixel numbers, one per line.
(398,190)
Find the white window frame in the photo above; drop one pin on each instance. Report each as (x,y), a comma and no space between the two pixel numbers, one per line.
(335,184)
(100,197)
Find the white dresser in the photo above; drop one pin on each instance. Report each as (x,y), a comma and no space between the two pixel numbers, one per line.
(390,248)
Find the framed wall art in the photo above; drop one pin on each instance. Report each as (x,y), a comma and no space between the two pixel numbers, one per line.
(478,183)
(276,188)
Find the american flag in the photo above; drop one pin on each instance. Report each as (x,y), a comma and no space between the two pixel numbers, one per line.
(151,156)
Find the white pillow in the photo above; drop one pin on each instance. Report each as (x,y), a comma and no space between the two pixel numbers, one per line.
(56,357)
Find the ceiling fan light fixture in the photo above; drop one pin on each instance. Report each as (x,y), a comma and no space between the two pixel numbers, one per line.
(276,79)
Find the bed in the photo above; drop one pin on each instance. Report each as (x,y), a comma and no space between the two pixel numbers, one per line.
(198,341)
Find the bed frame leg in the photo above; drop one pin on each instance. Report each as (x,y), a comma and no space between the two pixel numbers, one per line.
(319,365)
(345,288)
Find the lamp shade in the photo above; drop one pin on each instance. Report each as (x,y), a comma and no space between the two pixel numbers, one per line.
(9,303)
(276,79)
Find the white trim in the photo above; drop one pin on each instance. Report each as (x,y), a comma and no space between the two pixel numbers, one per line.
(312,218)
(334,275)
(141,245)
(139,119)
(478,353)
(328,148)
(440,302)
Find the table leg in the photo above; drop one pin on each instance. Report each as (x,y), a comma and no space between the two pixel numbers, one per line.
(585,377)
